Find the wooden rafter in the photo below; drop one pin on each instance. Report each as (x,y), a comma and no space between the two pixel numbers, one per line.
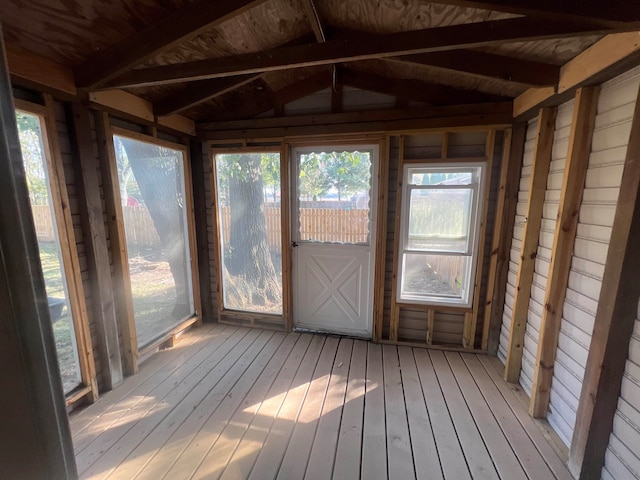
(603,60)
(474,63)
(416,89)
(481,64)
(311,11)
(609,13)
(170,31)
(361,48)
(266,99)
(200,92)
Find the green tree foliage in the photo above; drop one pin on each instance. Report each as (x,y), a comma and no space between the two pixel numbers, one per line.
(270,166)
(313,181)
(346,173)
(33,160)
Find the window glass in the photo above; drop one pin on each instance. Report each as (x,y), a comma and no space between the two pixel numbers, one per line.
(250,233)
(42,207)
(153,194)
(439,219)
(441,176)
(334,197)
(434,276)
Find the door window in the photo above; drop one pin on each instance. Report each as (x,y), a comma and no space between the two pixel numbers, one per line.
(334,204)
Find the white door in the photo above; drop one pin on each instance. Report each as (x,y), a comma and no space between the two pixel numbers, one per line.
(333,223)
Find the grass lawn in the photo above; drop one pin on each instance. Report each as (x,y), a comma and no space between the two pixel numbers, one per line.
(63,327)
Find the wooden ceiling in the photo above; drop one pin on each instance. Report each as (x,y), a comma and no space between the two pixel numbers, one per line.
(214,60)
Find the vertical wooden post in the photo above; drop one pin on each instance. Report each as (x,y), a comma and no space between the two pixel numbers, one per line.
(36,439)
(285,230)
(218,222)
(380,243)
(471,321)
(575,172)
(508,215)
(189,211)
(198,158)
(394,321)
(529,249)
(615,318)
(95,241)
(431,320)
(124,301)
(496,240)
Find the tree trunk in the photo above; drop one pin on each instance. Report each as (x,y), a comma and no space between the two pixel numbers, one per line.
(158,175)
(249,256)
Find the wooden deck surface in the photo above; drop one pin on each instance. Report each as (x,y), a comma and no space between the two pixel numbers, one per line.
(235,403)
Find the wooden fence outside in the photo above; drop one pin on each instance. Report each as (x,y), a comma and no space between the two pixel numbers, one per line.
(319,224)
(138,223)
(43,221)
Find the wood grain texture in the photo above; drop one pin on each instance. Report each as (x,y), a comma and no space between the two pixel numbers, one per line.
(239,403)
(122,279)
(362,48)
(470,330)
(95,241)
(613,323)
(68,250)
(498,240)
(537,189)
(171,30)
(37,71)
(575,172)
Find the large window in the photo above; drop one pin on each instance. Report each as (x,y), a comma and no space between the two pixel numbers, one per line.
(153,195)
(248,195)
(439,233)
(44,198)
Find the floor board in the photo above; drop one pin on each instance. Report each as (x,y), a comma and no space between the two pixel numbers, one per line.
(234,403)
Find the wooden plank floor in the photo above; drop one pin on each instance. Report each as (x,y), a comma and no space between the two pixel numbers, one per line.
(235,403)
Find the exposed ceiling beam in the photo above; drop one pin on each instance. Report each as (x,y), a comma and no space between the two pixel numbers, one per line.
(278,99)
(200,92)
(474,63)
(302,88)
(127,105)
(30,69)
(601,61)
(416,89)
(362,48)
(407,120)
(481,64)
(311,11)
(205,90)
(168,32)
(608,13)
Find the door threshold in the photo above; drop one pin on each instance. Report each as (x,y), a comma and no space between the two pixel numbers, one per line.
(331,334)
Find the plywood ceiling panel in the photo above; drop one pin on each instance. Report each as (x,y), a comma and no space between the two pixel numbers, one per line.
(266,26)
(69,31)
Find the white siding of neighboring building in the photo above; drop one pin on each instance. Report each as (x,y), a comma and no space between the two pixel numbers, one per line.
(547,230)
(610,139)
(516,243)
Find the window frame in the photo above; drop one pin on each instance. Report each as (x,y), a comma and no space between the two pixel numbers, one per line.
(70,264)
(225,312)
(132,351)
(473,232)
